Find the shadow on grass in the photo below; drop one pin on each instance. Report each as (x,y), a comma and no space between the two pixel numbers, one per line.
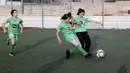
(122,69)
(28,47)
(50,67)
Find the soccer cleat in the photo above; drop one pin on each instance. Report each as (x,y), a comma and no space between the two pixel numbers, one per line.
(88,55)
(11,54)
(67,54)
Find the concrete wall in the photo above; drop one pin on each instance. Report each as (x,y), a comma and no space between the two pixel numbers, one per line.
(110,22)
(2,2)
(64,0)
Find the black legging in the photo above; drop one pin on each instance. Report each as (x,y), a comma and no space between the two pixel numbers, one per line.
(84,40)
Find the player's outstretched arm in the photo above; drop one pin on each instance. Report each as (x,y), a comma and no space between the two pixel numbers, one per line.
(94,21)
(21,28)
(58,37)
(3,26)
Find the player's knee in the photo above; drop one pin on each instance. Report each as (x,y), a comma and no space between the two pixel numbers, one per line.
(13,41)
(75,43)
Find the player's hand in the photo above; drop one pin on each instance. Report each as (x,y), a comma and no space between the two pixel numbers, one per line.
(21,31)
(5,31)
(101,24)
(79,23)
(60,41)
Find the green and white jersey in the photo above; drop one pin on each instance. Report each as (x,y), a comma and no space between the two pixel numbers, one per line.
(64,28)
(14,22)
(81,28)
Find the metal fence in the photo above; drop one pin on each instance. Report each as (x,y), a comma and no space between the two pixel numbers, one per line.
(42,8)
(59,7)
(51,7)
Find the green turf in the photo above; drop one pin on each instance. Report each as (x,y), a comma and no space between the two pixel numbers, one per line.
(38,51)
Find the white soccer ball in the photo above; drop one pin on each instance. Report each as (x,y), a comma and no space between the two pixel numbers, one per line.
(100,53)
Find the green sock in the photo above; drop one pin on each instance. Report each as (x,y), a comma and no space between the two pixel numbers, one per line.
(74,49)
(81,50)
(11,48)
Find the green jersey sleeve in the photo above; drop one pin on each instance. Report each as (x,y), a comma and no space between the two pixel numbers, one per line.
(21,21)
(7,20)
(60,26)
(86,21)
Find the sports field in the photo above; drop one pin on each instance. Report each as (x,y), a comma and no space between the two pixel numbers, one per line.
(38,51)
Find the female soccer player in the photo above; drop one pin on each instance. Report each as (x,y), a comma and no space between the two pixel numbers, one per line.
(14,29)
(69,36)
(80,23)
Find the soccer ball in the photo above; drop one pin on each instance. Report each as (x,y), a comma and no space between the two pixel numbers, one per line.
(100,53)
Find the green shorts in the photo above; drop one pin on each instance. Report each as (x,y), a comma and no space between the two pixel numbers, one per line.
(70,37)
(16,36)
